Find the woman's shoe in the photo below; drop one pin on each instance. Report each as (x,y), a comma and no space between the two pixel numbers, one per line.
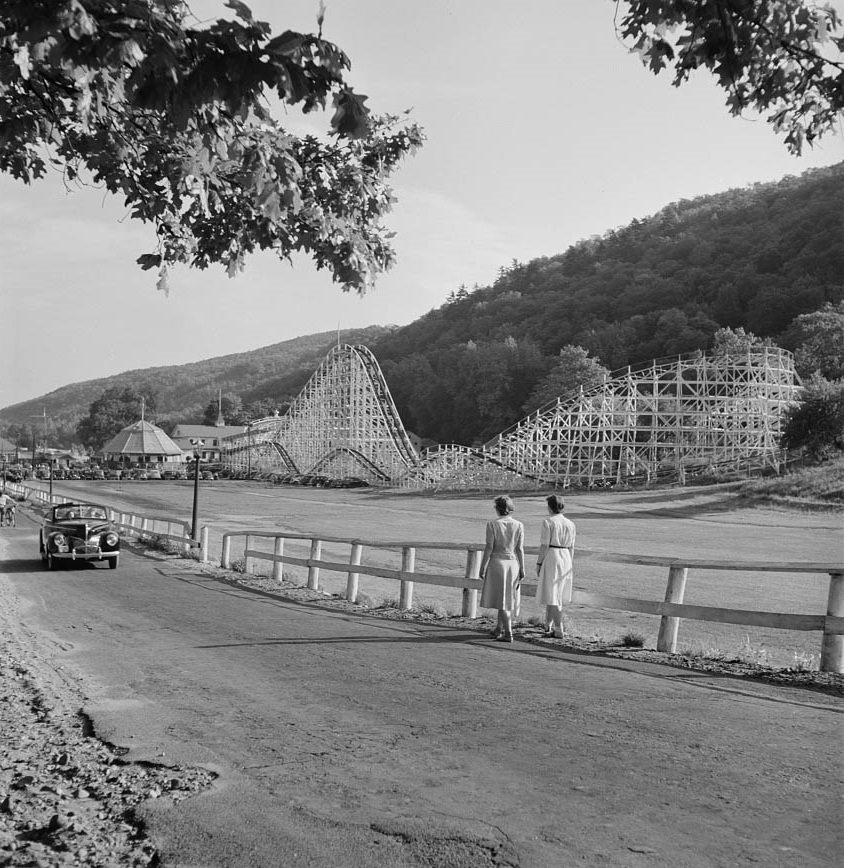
(495,634)
(548,634)
(505,637)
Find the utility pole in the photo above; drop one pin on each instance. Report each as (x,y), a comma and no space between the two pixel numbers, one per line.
(194,527)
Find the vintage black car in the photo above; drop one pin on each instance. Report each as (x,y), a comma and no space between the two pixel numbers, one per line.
(78,532)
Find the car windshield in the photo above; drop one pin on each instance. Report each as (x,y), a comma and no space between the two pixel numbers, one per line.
(78,510)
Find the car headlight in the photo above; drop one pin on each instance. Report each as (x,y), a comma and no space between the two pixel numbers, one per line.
(111,539)
(59,542)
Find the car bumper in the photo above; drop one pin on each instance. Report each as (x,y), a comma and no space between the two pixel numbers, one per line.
(85,556)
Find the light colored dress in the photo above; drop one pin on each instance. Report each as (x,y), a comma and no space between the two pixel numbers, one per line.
(556,543)
(505,543)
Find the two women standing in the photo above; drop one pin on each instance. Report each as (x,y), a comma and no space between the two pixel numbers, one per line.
(503,566)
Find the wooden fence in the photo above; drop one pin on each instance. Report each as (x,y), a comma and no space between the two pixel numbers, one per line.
(671,609)
(132,523)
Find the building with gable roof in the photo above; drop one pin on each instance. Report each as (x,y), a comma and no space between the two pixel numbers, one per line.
(211,436)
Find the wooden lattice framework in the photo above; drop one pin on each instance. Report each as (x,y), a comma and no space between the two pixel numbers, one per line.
(665,420)
(342,423)
(669,419)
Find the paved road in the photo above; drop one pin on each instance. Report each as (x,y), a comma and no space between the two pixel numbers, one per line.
(344,740)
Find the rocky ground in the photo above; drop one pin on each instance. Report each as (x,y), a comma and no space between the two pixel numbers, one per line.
(67,798)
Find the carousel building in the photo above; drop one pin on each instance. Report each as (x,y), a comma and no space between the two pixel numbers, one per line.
(143,444)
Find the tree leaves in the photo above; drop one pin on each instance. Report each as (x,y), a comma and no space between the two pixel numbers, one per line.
(174,119)
(778,57)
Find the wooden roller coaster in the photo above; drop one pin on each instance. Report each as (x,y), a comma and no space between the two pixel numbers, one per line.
(667,420)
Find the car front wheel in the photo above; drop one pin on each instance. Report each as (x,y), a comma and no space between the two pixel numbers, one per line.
(51,564)
(112,563)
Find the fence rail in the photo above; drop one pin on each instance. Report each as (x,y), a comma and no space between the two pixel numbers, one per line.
(671,609)
(132,523)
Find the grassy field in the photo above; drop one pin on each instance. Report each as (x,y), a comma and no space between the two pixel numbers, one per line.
(817,486)
(704,523)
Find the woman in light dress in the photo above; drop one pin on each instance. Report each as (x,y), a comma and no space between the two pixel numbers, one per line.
(554,565)
(503,567)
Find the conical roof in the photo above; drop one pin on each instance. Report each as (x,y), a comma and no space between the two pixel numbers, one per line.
(141,438)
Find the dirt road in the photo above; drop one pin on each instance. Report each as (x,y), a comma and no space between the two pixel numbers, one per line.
(341,739)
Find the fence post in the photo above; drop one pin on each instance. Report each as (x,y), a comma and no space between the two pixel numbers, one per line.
(408,565)
(313,572)
(247,565)
(470,595)
(226,555)
(203,545)
(278,551)
(668,626)
(352,580)
(832,645)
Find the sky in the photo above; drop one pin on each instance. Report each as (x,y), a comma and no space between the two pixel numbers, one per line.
(542,129)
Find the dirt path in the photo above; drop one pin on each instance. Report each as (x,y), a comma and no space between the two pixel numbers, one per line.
(340,739)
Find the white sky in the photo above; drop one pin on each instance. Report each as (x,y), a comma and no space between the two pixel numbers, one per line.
(541,129)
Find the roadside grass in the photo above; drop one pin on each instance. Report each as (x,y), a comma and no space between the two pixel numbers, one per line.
(821,485)
(161,544)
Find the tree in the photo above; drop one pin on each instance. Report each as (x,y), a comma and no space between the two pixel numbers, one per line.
(232,409)
(818,340)
(778,57)
(111,412)
(574,368)
(174,118)
(736,342)
(817,422)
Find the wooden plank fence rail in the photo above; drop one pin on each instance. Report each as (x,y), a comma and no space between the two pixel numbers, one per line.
(671,610)
(137,524)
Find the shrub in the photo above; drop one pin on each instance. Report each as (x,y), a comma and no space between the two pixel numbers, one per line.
(816,424)
(633,640)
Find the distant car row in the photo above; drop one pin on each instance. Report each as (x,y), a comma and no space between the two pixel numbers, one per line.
(317,480)
(155,473)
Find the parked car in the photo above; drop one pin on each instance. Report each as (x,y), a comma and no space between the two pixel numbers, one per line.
(78,532)
(208,474)
(98,474)
(139,474)
(112,474)
(153,474)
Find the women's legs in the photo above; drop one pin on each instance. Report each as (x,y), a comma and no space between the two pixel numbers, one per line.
(507,623)
(557,620)
(549,618)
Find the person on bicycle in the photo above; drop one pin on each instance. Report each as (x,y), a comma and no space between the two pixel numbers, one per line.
(7,510)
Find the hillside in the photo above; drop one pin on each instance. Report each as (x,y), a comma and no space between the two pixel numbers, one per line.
(183,391)
(753,258)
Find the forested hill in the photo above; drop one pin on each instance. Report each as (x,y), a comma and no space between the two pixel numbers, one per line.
(273,375)
(753,258)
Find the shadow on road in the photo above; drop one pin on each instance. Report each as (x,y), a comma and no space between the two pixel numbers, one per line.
(21,565)
(352,640)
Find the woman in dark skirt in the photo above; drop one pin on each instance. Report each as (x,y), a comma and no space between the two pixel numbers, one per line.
(503,567)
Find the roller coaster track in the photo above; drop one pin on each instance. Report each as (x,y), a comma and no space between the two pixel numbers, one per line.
(665,420)
(343,423)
